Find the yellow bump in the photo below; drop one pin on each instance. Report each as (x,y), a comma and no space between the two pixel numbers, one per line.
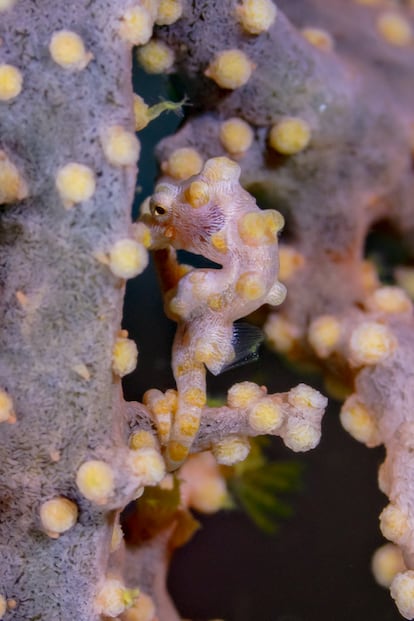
(394,523)
(249,287)
(58,515)
(360,422)
(265,416)
(82,370)
(121,147)
(147,465)
(324,335)
(142,234)
(3,606)
(6,408)
(155,57)
(143,609)
(177,452)
(256,16)
(216,302)
(218,240)
(304,397)
(11,604)
(386,563)
(127,258)
(168,12)
(142,439)
(281,334)
(195,396)
(75,183)
(209,495)
(197,194)
(140,113)
(12,185)
(395,29)
(188,425)
(231,450)
(117,537)
(244,394)
(319,38)
(371,343)
(402,591)
(300,436)
(114,598)
(95,481)
(390,300)
(221,169)
(4,5)
(230,69)
(236,136)
(290,135)
(260,227)
(11,81)
(136,25)
(124,356)
(183,163)
(67,50)
(290,261)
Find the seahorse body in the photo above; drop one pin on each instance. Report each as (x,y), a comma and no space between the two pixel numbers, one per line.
(211,215)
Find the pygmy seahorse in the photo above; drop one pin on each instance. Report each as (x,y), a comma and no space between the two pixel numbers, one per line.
(211,215)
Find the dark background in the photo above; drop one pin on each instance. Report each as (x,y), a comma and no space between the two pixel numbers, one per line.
(317,567)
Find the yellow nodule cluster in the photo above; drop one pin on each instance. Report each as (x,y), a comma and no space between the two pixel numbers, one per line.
(219,241)
(195,396)
(249,286)
(124,356)
(183,163)
(114,598)
(127,258)
(395,29)
(58,515)
(256,16)
(188,425)
(140,113)
(402,590)
(11,81)
(386,563)
(12,185)
(230,69)
(359,422)
(324,335)
(168,12)
(146,465)
(257,228)
(266,416)
(155,57)
(290,261)
(394,523)
(290,135)
(319,38)
(67,50)
(177,452)
(236,136)
(244,394)
(371,342)
(231,450)
(390,300)
(6,408)
(197,194)
(120,146)
(143,609)
(95,481)
(136,25)
(142,439)
(75,183)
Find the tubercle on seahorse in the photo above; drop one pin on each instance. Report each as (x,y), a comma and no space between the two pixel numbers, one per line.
(210,214)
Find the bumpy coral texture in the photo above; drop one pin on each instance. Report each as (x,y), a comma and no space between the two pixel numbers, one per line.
(345,164)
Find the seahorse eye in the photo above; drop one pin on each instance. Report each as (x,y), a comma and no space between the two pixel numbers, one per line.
(160,210)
